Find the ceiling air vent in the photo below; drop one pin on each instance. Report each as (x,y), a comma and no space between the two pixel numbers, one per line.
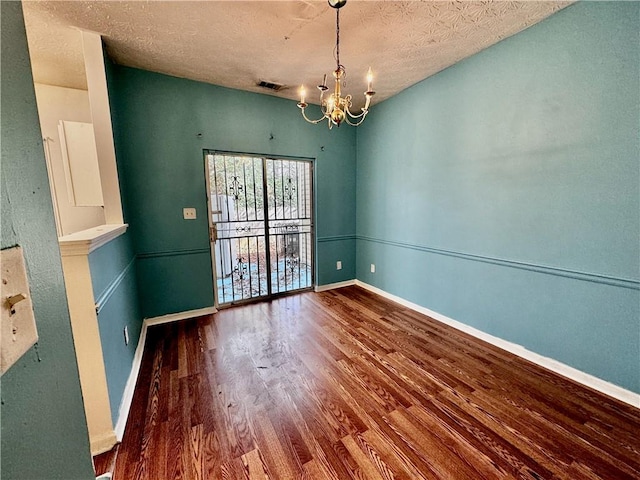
(276,87)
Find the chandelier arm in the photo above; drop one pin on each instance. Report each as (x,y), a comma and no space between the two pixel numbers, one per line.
(364,110)
(362,114)
(315,122)
(355,124)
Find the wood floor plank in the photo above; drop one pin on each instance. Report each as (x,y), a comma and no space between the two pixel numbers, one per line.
(314,470)
(441,462)
(369,469)
(279,461)
(493,442)
(345,385)
(392,456)
(448,436)
(255,467)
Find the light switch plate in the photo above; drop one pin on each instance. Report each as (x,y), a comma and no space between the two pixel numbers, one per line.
(18,329)
(189,213)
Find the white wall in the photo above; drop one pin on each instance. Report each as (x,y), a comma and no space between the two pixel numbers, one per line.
(55,104)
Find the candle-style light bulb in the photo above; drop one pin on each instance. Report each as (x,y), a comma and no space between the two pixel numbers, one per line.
(302,93)
(369,80)
(330,104)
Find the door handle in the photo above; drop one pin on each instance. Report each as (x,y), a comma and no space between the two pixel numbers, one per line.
(213,233)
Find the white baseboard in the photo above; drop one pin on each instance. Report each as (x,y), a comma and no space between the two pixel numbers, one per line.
(127,396)
(174,317)
(583,378)
(331,286)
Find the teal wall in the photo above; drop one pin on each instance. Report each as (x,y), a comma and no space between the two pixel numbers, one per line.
(504,193)
(113,276)
(162,125)
(44,432)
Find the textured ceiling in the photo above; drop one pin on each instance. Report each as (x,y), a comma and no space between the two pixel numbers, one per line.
(238,43)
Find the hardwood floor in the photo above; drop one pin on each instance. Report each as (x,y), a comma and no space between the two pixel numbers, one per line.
(105,462)
(344,384)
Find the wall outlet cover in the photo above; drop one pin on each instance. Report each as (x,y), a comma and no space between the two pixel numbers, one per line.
(339,265)
(373,268)
(189,213)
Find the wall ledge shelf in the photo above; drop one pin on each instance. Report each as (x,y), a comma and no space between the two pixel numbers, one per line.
(86,241)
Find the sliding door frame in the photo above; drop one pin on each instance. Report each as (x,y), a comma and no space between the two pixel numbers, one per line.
(264,158)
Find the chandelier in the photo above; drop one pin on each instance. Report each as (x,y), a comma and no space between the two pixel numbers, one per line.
(336,108)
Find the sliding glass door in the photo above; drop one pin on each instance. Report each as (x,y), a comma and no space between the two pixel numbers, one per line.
(261,225)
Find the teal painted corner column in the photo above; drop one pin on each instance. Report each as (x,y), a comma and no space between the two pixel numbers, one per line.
(44,432)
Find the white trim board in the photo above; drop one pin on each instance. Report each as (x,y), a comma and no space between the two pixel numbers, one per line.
(174,317)
(130,386)
(129,389)
(86,241)
(560,368)
(331,286)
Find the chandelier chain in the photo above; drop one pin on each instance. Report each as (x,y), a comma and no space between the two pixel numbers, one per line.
(338,38)
(339,66)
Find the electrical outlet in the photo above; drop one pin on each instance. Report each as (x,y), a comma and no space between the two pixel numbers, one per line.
(373,268)
(339,265)
(126,335)
(189,213)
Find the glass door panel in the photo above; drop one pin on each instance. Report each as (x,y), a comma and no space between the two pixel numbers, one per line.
(290,223)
